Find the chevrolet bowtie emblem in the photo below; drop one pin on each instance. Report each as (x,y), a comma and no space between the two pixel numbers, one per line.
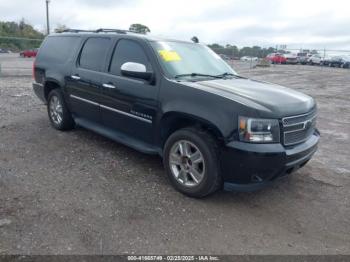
(307,124)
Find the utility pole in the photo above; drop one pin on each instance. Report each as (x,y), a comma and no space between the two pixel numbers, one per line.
(47,17)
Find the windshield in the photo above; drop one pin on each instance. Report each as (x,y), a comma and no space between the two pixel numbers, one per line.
(190,59)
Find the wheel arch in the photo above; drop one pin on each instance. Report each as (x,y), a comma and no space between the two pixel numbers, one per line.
(50,84)
(173,121)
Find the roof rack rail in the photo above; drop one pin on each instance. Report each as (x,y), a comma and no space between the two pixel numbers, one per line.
(100,30)
(69,30)
(108,30)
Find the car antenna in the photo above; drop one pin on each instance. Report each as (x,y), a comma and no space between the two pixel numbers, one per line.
(195,39)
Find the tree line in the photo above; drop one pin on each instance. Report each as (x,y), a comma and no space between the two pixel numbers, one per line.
(233,51)
(17,36)
(20,35)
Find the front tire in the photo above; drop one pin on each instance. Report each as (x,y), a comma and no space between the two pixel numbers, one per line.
(191,162)
(59,115)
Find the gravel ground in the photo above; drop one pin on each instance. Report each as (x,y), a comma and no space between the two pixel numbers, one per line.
(79,193)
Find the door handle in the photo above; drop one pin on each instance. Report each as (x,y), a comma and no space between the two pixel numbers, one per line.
(109,86)
(75,77)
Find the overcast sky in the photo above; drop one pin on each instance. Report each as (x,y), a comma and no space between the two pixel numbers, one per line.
(296,23)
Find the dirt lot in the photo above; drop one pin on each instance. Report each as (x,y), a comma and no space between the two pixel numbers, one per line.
(79,193)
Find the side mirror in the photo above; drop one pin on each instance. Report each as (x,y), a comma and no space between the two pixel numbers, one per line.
(136,70)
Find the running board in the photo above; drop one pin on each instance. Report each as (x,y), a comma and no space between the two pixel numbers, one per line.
(119,137)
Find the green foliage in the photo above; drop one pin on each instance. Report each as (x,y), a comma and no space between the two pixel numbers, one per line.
(234,51)
(139,28)
(229,50)
(19,36)
(215,46)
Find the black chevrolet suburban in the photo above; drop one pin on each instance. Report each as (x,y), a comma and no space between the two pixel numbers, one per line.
(212,127)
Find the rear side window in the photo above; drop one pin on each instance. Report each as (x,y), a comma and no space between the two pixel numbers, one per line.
(127,51)
(58,49)
(94,52)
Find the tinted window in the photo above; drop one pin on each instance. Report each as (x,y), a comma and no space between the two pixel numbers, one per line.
(127,51)
(94,53)
(58,49)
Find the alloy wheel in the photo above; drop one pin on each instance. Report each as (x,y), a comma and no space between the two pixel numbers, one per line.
(56,111)
(187,163)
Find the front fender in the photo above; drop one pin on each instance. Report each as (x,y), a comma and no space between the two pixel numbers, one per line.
(199,112)
(215,110)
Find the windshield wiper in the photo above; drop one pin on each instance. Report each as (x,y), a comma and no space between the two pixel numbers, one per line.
(197,74)
(207,75)
(229,74)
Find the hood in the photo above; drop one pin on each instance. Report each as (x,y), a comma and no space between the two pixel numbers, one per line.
(270,99)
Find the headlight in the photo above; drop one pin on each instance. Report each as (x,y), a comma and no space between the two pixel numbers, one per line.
(256,130)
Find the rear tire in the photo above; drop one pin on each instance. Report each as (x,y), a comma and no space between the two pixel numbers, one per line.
(191,162)
(58,112)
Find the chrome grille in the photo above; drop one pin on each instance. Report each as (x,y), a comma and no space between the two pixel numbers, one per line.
(297,129)
(291,120)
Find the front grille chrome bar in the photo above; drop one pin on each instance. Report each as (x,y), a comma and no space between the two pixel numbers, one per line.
(297,129)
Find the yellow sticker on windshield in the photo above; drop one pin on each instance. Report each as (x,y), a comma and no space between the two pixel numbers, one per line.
(169,56)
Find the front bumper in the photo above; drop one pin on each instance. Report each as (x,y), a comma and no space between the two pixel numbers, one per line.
(249,167)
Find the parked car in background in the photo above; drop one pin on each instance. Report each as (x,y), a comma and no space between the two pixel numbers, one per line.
(338,61)
(249,58)
(291,58)
(346,62)
(276,58)
(4,51)
(225,57)
(326,60)
(315,60)
(303,58)
(29,53)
